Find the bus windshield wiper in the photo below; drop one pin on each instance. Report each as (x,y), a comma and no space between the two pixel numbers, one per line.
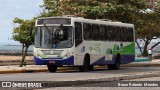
(48,30)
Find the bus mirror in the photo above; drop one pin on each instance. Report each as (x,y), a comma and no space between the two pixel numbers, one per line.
(61,26)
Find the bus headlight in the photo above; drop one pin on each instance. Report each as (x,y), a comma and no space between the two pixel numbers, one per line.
(39,54)
(66,55)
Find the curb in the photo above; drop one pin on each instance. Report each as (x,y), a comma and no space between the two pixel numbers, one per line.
(22,71)
(72,83)
(139,64)
(32,70)
(141,59)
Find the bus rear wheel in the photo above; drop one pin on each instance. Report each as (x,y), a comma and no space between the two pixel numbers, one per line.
(115,66)
(52,68)
(91,67)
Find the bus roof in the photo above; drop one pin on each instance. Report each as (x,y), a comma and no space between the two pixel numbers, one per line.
(93,21)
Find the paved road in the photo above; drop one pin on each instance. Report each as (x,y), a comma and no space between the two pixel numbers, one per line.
(75,74)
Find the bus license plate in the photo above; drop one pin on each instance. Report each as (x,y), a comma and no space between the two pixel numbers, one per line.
(52,62)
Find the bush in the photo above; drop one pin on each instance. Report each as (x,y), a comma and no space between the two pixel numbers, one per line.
(139,55)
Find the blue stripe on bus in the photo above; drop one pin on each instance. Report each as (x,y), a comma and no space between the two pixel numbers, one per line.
(67,61)
(124,60)
(101,61)
(70,61)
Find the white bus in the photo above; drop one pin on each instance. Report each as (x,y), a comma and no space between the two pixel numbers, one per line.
(84,43)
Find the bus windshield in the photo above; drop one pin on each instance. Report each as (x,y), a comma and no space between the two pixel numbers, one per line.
(54,37)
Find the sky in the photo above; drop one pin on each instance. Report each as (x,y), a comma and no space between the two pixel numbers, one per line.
(10,9)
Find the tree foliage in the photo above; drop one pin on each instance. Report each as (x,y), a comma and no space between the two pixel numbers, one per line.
(22,33)
(116,10)
(50,8)
(128,11)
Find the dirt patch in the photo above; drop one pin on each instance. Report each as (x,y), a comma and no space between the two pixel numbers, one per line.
(5,58)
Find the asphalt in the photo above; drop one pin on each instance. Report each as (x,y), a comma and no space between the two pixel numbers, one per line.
(43,68)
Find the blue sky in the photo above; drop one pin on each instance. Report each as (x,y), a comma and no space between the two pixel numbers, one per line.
(10,9)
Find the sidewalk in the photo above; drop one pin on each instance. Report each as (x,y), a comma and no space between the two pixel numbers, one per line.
(43,68)
(24,69)
(154,62)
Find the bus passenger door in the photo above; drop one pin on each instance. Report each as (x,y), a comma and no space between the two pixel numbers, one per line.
(78,60)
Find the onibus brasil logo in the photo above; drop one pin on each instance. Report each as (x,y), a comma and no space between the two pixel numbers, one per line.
(21,84)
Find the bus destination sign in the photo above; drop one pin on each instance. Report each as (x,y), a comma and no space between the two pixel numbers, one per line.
(54,21)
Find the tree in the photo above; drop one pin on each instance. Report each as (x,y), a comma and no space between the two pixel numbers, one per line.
(22,34)
(148,28)
(128,11)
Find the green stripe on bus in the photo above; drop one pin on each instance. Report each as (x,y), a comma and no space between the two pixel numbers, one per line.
(126,50)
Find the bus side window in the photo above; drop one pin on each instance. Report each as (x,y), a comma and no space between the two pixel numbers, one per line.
(117,33)
(103,33)
(78,33)
(87,31)
(110,33)
(95,32)
(124,34)
(131,36)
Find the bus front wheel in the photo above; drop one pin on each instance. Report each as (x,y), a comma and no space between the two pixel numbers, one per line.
(52,68)
(86,65)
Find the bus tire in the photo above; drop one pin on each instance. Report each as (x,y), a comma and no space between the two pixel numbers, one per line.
(115,66)
(91,67)
(52,68)
(110,66)
(86,64)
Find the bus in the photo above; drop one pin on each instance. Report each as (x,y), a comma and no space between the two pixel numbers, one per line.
(78,42)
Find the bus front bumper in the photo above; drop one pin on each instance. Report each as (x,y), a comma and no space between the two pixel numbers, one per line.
(54,61)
